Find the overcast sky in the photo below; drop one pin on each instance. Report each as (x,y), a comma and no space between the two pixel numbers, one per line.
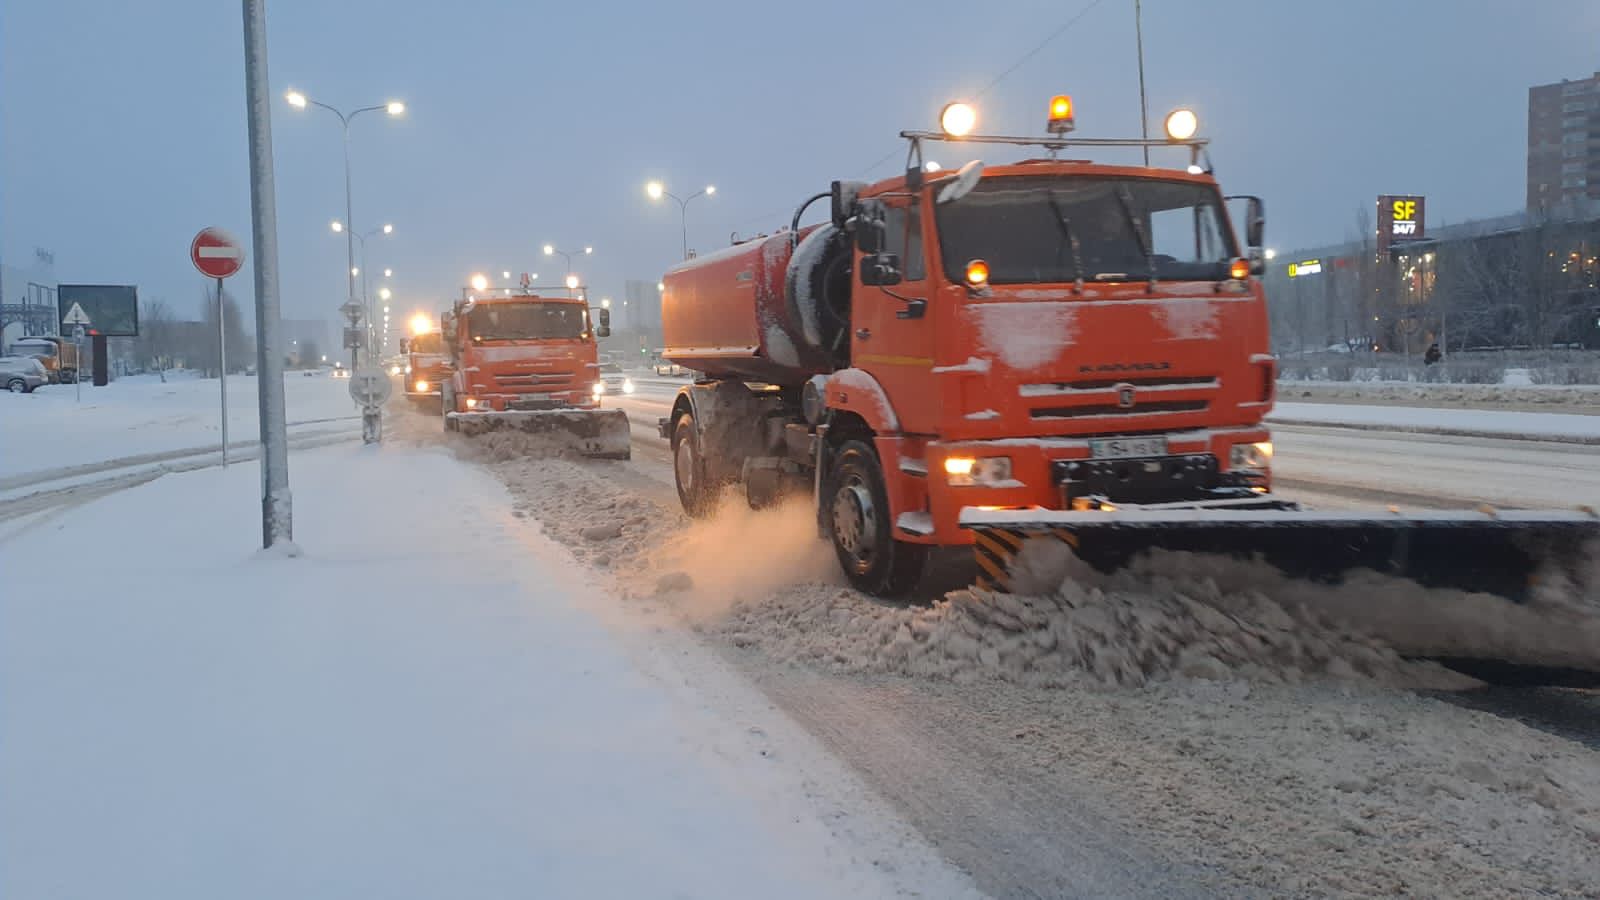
(122,124)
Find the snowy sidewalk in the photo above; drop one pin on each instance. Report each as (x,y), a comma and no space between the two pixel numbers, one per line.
(426,704)
(1533,426)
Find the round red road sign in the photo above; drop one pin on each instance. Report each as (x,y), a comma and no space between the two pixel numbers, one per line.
(215,253)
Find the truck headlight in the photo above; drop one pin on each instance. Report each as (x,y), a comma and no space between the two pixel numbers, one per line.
(1251,456)
(421,386)
(472,403)
(408,368)
(627,385)
(988,470)
(599,388)
(394,370)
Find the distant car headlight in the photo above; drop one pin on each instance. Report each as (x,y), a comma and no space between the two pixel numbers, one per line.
(1251,456)
(408,368)
(394,370)
(627,385)
(472,403)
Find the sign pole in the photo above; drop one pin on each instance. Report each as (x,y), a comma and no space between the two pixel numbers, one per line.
(276,501)
(222,369)
(77,341)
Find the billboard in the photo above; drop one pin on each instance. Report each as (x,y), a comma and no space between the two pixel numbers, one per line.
(1399,219)
(108,309)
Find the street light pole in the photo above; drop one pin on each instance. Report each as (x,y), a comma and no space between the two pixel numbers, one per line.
(550,250)
(657,190)
(393,108)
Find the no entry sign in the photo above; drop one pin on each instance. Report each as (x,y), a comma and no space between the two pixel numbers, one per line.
(215,253)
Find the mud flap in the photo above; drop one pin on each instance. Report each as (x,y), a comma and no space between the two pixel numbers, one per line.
(1500,552)
(597,433)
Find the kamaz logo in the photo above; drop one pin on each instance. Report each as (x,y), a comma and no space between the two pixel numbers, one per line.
(1117,368)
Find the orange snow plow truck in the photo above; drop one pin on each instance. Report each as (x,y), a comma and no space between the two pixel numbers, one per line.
(427,363)
(1052,348)
(526,362)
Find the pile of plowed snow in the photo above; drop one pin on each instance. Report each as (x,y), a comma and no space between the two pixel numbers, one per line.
(762,579)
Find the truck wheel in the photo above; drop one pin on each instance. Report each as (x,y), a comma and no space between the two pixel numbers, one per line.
(857,513)
(695,490)
(17,386)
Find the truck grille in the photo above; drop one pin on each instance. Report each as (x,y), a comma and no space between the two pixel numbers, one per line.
(1099,410)
(535,381)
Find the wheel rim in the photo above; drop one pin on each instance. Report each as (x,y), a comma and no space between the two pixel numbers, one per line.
(16,387)
(855,520)
(683,464)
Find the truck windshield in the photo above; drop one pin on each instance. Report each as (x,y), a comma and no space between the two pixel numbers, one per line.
(1023,226)
(528,321)
(427,343)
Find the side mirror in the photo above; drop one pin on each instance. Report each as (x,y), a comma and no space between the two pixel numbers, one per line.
(880,269)
(405,345)
(1255,221)
(605,317)
(604,331)
(871,233)
(844,200)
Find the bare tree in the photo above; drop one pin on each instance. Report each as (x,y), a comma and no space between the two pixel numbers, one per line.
(239,347)
(157,341)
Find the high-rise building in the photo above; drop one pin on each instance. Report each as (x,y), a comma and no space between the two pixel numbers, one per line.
(1564,143)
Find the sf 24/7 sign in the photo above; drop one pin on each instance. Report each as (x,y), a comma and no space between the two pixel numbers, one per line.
(1400,218)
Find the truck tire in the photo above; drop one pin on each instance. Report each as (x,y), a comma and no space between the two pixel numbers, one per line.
(69,376)
(857,514)
(17,386)
(696,491)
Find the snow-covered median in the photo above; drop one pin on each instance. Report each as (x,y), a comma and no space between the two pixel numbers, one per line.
(51,428)
(1566,427)
(424,704)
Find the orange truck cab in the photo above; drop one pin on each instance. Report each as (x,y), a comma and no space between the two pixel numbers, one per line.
(1047,335)
(427,366)
(521,352)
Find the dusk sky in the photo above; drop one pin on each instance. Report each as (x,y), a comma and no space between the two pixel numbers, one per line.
(122,125)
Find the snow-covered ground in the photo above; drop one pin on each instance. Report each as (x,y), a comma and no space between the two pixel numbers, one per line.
(51,428)
(428,703)
(1511,395)
(1526,425)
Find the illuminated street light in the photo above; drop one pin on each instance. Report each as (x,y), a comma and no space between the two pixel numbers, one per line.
(388,273)
(337,226)
(1271,253)
(551,250)
(572,282)
(384,294)
(354,271)
(656,190)
(505,274)
(299,100)
(605,302)
(479,283)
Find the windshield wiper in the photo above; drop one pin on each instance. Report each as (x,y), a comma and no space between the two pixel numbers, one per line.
(1146,246)
(1072,242)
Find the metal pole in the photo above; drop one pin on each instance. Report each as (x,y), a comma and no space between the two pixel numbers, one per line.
(222,369)
(349,232)
(277,519)
(683,216)
(1144,110)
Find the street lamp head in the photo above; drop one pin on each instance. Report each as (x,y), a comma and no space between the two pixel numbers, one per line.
(655,190)
(355,270)
(396,108)
(549,250)
(337,226)
(588,250)
(388,229)
(605,302)
(661,285)
(711,189)
(572,282)
(388,273)
(505,274)
(386,309)
(480,283)
(296,99)
(385,294)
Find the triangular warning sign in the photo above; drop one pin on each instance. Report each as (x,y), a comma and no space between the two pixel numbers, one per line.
(75,316)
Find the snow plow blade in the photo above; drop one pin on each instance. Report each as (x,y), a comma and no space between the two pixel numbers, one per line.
(598,433)
(1502,552)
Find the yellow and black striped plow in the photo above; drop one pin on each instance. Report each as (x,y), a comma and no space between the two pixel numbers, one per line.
(996,547)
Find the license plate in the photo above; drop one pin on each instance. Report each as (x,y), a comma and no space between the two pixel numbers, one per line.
(1127,448)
